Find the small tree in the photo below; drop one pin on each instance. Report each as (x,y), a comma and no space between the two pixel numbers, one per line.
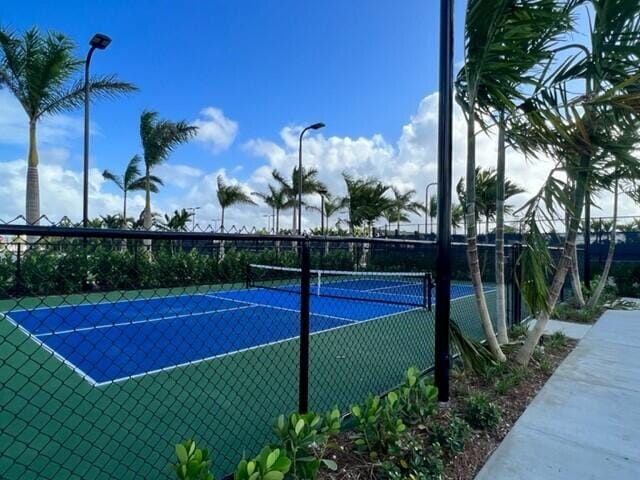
(131,180)
(229,195)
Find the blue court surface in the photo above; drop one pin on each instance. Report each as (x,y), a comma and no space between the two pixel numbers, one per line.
(114,341)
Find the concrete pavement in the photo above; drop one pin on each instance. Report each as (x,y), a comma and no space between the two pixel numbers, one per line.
(585,422)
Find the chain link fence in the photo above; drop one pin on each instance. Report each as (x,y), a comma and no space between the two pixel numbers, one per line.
(118,344)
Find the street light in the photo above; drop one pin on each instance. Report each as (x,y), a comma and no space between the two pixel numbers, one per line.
(315,126)
(426,207)
(100,42)
(322,192)
(193,211)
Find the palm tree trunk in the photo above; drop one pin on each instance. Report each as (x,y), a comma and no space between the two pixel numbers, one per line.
(222,220)
(576,285)
(533,337)
(593,301)
(33,183)
(503,336)
(472,245)
(146,220)
(277,221)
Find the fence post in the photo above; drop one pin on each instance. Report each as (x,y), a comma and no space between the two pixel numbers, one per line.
(428,286)
(516,298)
(305,284)
(18,275)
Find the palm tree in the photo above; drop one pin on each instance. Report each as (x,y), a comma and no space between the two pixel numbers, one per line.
(112,221)
(130,181)
(38,69)
(159,139)
(332,206)
(433,211)
(504,40)
(310,184)
(582,139)
(178,222)
(486,181)
(366,201)
(457,215)
(229,195)
(402,206)
(278,199)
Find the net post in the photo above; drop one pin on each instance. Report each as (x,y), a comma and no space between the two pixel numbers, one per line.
(305,285)
(428,286)
(247,276)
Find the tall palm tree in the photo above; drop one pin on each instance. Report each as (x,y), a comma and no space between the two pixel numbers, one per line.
(366,201)
(582,139)
(402,206)
(433,211)
(278,199)
(159,138)
(130,181)
(310,184)
(500,38)
(38,69)
(229,195)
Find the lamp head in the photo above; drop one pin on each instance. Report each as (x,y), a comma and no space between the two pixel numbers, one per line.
(100,41)
(317,126)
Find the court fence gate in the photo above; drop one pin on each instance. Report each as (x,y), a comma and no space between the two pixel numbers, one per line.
(118,344)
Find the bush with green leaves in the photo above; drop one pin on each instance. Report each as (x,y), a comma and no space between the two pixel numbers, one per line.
(555,340)
(379,423)
(412,460)
(304,439)
(417,397)
(270,464)
(193,463)
(481,413)
(452,435)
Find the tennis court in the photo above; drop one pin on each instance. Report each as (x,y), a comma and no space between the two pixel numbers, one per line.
(111,342)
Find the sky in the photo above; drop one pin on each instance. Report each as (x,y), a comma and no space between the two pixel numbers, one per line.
(249,74)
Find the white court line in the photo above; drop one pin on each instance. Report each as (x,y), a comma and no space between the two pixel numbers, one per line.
(46,347)
(276,307)
(135,322)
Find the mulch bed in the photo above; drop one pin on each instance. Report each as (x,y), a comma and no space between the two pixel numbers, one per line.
(354,465)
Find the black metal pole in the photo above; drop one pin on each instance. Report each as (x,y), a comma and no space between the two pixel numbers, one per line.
(587,241)
(305,285)
(443,244)
(85,185)
(322,214)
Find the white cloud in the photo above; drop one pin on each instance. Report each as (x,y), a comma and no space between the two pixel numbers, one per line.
(215,130)
(179,175)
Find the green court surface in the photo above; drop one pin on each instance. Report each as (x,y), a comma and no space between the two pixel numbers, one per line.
(55,425)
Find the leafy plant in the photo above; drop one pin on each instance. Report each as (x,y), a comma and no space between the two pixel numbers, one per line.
(555,340)
(193,463)
(452,436)
(379,423)
(414,461)
(304,439)
(417,397)
(270,464)
(481,413)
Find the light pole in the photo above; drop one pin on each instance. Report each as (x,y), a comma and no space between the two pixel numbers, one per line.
(193,211)
(322,192)
(426,206)
(315,126)
(268,217)
(443,243)
(100,42)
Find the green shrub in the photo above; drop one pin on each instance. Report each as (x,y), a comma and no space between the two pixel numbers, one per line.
(270,464)
(7,273)
(304,439)
(417,397)
(379,423)
(193,463)
(452,436)
(480,413)
(555,340)
(413,461)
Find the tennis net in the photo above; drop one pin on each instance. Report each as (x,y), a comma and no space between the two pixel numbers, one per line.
(403,288)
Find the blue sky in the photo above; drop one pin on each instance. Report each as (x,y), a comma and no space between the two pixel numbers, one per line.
(368,69)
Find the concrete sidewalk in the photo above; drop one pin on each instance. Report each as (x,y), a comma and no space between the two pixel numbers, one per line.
(585,422)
